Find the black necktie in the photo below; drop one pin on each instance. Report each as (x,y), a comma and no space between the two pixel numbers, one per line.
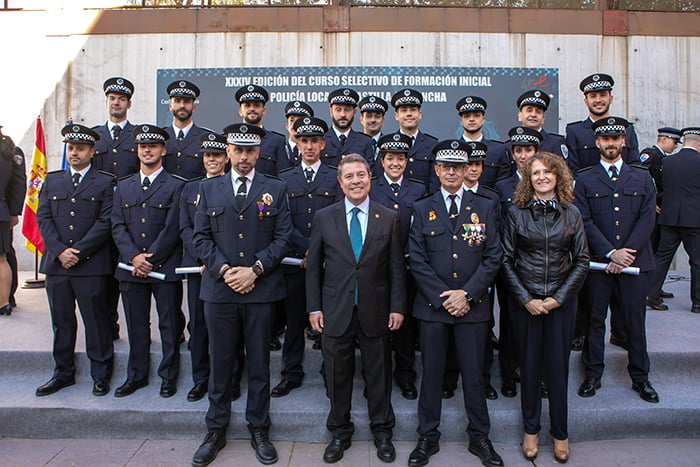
(181,135)
(613,173)
(116,131)
(146,183)
(343,138)
(454,213)
(76,179)
(395,187)
(295,153)
(309,174)
(242,189)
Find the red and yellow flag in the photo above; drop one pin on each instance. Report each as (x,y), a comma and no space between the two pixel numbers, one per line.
(30,228)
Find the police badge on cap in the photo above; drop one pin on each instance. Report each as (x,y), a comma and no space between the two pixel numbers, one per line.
(597,82)
(471,104)
(76,133)
(534,97)
(310,126)
(343,96)
(251,93)
(476,151)
(610,126)
(298,108)
(144,134)
(451,150)
(119,86)
(183,88)
(212,142)
(522,136)
(241,134)
(373,104)
(691,130)
(397,142)
(406,97)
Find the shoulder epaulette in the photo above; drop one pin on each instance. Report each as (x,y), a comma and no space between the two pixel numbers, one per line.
(556,134)
(95,127)
(208,179)
(125,177)
(362,133)
(287,169)
(272,177)
(482,195)
(574,123)
(585,169)
(375,177)
(488,188)
(425,196)
(505,177)
(59,171)
(203,128)
(178,177)
(639,166)
(103,172)
(195,179)
(496,141)
(278,134)
(430,136)
(415,180)
(334,167)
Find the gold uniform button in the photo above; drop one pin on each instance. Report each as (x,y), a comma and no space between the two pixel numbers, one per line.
(70,241)
(114,163)
(267,213)
(70,227)
(616,208)
(179,167)
(455,275)
(213,212)
(72,200)
(432,232)
(455,237)
(309,210)
(54,197)
(308,225)
(178,154)
(455,255)
(617,237)
(114,150)
(410,159)
(617,222)
(143,205)
(160,205)
(143,234)
(240,218)
(240,235)
(143,220)
(616,195)
(241,254)
(396,206)
(143,249)
(310,196)
(72,213)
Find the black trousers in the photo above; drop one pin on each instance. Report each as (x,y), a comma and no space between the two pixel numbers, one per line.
(11,256)
(631,314)
(199,336)
(228,323)
(297,320)
(470,343)
(89,292)
(112,293)
(339,365)
(671,238)
(544,345)
(136,297)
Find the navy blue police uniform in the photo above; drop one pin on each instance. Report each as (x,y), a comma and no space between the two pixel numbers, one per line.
(356,142)
(15,190)
(297,109)
(145,219)
(77,215)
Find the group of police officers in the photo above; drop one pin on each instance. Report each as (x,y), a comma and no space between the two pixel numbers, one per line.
(139,201)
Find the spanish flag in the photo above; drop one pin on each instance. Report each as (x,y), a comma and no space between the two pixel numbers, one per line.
(30,228)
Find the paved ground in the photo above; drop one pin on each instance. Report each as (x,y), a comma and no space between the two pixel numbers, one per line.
(140,452)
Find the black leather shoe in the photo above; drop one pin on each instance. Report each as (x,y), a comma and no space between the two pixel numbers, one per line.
(656,304)
(421,454)
(284,388)
(485,451)
(385,450)
(236,393)
(490,392)
(543,389)
(646,391)
(53,385)
(207,451)
(335,449)
(197,392)
(100,387)
(129,387)
(265,452)
(6,310)
(167,388)
(695,309)
(508,388)
(275,344)
(588,387)
(664,294)
(614,340)
(448,391)
(408,391)
(577,343)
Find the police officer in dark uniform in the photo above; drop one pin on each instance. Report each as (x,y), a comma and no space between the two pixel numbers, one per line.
(372,112)
(19,176)
(145,228)
(532,106)
(115,151)
(341,138)
(454,255)
(292,111)
(183,156)
(407,111)
(273,156)
(214,159)
(580,137)
(74,221)
(242,229)
(310,186)
(398,192)
(472,114)
(679,218)
(617,203)
(12,190)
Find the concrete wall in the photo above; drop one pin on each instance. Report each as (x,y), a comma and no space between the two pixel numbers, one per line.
(55,69)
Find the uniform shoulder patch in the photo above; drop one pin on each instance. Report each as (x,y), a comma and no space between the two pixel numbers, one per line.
(277,133)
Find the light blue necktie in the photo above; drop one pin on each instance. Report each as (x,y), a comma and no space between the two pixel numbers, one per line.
(355,234)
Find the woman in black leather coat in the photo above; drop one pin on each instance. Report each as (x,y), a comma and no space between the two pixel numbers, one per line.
(545,261)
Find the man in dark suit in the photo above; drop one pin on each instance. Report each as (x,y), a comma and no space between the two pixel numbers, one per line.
(310,187)
(472,115)
(273,157)
(617,203)
(183,156)
(454,255)
(292,111)
(145,228)
(580,137)
(341,139)
(74,221)
(355,283)
(680,218)
(214,159)
(395,191)
(13,184)
(532,106)
(241,233)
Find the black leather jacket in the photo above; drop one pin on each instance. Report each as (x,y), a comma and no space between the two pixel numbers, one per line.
(545,253)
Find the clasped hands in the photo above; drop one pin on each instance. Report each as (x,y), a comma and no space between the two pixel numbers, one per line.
(537,306)
(456,303)
(240,279)
(620,259)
